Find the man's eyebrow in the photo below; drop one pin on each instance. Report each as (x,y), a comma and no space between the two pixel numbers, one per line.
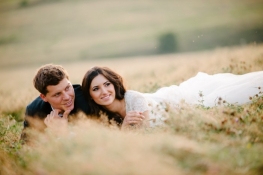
(60,91)
(56,93)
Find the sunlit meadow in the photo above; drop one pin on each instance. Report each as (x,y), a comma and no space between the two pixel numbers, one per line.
(222,140)
(126,36)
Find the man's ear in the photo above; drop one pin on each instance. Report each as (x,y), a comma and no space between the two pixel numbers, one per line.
(43,97)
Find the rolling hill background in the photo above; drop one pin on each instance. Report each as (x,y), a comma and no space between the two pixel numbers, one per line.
(40,31)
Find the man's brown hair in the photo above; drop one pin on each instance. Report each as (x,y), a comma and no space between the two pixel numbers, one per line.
(49,74)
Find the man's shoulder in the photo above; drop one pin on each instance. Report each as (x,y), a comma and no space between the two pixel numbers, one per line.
(37,103)
(38,107)
(79,96)
(80,101)
(76,86)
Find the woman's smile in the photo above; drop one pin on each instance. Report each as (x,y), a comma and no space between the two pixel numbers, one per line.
(105,97)
(102,91)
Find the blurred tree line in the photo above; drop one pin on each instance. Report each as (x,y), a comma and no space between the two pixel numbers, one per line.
(171,42)
(174,41)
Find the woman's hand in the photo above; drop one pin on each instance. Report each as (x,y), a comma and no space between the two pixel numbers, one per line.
(134,118)
(57,124)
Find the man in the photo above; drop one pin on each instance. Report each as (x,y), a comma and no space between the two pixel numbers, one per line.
(58,98)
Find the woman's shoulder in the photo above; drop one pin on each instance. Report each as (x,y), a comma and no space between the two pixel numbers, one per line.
(131,93)
(135,101)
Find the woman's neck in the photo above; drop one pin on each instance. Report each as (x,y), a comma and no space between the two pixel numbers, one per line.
(118,106)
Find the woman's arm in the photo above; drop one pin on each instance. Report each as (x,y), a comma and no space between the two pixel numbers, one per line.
(134,119)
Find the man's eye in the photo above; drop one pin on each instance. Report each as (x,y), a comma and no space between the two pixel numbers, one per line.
(67,88)
(56,95)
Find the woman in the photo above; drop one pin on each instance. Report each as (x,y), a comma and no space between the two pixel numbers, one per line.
(105,92)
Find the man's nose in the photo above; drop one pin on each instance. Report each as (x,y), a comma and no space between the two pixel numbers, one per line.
(66,96)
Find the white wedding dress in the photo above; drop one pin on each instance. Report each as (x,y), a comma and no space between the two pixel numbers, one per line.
(201,89)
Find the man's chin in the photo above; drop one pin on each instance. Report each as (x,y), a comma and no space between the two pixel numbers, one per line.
(69,108)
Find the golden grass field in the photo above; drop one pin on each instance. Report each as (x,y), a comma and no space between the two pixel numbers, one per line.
(124,36)
(196,140)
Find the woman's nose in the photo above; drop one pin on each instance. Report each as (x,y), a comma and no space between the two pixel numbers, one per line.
(103,90)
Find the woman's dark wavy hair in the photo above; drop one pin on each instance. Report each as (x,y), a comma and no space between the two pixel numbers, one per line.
(110,75)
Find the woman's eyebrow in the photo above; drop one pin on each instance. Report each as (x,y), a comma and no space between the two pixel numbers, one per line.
(95,86)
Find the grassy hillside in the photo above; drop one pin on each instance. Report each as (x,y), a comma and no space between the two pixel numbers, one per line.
(131,37)
(221,140)
(40,31)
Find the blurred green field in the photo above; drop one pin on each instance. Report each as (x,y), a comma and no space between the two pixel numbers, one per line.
(41,31)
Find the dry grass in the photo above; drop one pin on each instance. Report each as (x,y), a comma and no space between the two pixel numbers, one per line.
(221,140)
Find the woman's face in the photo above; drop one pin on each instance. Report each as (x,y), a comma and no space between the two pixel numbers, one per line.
(102,90)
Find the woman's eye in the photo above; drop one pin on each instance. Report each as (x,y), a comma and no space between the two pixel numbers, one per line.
(95,89)
(107,84)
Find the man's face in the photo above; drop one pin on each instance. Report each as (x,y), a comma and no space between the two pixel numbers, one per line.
(60,96)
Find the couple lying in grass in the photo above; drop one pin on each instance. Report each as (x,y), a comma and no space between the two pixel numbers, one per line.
(103,92)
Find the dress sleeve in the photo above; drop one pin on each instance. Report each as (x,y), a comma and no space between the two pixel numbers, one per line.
(135,101)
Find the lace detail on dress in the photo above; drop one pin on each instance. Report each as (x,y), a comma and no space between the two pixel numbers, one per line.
(234,89)
(135,101)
